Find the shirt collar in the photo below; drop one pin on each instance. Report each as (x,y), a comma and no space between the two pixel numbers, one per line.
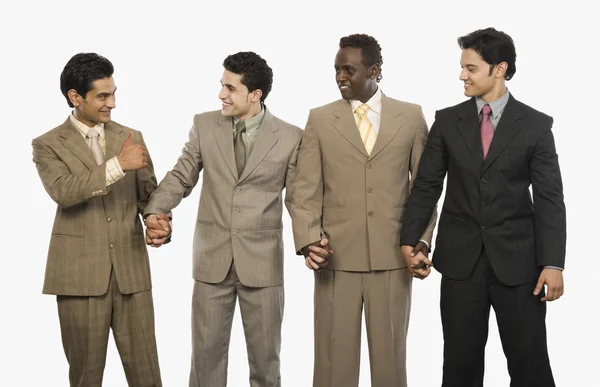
(83,128)
(253,123)
(374,102)
(497,105)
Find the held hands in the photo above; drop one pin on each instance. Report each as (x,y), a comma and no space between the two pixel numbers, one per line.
(316,254)
(132,156)
(158,229)
(553,279)
(416,259)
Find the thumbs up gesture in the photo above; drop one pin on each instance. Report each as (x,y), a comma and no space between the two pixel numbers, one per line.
(132,156)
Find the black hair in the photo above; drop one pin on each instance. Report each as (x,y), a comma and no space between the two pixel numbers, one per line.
(254,70)
(494,47)
(81,71)
(370,49)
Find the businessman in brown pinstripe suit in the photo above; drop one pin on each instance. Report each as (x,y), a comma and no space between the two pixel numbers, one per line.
(247,156)
(100,175)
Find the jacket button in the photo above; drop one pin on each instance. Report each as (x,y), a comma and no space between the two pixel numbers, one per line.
(369,190)
(238,189)
(109,219)
(370,213)
(111,245)
(484,180)
(235,210)
(370,166)
(234,231)
(483,204)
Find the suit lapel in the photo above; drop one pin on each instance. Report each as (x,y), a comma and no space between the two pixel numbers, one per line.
(507,128)
(468,127)
(224,138)
(346,125)
(389,125)
(265,140)
(74,141)
(114,139)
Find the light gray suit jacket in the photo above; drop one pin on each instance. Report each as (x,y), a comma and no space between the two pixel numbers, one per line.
(238,219)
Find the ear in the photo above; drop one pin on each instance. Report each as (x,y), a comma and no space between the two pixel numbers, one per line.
(373,71)
(256,95)
(74,97)
(501,69)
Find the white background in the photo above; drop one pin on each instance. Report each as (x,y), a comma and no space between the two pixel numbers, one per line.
(168,65)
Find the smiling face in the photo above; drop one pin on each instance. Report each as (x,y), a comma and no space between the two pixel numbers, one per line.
(480,78)
(354,79)
(236,100)
(96,106)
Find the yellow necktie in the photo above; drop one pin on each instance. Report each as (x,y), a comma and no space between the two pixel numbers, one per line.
(367,133)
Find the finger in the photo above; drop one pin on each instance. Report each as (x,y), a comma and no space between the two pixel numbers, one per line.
(324,242)
(307,264)
(318,250)
(420,265)
(538,286)
(312,264)
(129,139)
(316,258)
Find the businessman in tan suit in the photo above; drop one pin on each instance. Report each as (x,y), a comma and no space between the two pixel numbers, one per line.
(100,175)
(358,158)
(247,156)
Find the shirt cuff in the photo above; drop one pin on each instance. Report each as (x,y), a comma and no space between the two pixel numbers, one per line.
(554,267)
(421,240)
(114,172)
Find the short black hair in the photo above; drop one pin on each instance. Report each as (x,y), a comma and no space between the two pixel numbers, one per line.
(254,70)
(370,48)
(494,47)
(81,71)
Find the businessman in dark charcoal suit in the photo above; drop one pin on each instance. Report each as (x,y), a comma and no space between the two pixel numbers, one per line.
(495,245)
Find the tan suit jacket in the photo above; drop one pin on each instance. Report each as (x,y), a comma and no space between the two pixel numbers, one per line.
(96,227)
(358,200)
(238,219)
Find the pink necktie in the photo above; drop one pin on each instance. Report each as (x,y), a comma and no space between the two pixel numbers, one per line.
(487,130)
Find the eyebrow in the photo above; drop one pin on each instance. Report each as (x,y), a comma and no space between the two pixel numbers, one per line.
(106,93)
(229,86)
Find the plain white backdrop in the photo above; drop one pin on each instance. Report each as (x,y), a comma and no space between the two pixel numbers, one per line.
(167,59)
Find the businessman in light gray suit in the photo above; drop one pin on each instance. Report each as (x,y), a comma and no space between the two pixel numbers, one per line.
(248,156)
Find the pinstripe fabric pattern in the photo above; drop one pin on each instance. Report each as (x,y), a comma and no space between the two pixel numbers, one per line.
(96,226)
(213,307)
(237,217)
(520,316)
(114,172)
(85,323)
(339,302)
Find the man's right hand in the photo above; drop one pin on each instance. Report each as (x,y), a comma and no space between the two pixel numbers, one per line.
(316,254)
(158,229)
(416,259)
(132,156)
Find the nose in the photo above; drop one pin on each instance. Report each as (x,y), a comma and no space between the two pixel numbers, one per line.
(463,75)
(223,93)
(341,76)
(111,102)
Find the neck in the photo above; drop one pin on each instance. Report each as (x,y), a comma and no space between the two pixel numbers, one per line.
(82,119)
(497,92)
(255,108)
(367,96)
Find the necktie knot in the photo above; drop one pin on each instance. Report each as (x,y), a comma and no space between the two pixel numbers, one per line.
(240,127)
(362,110)
(486,110)
(92,133)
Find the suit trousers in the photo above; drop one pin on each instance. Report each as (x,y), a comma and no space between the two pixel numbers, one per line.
(213,306)
(465,309)
(339,299)
(85,323)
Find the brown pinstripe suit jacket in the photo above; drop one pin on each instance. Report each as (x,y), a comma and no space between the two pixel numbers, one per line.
(358,199)
(96,227)
(238,219)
